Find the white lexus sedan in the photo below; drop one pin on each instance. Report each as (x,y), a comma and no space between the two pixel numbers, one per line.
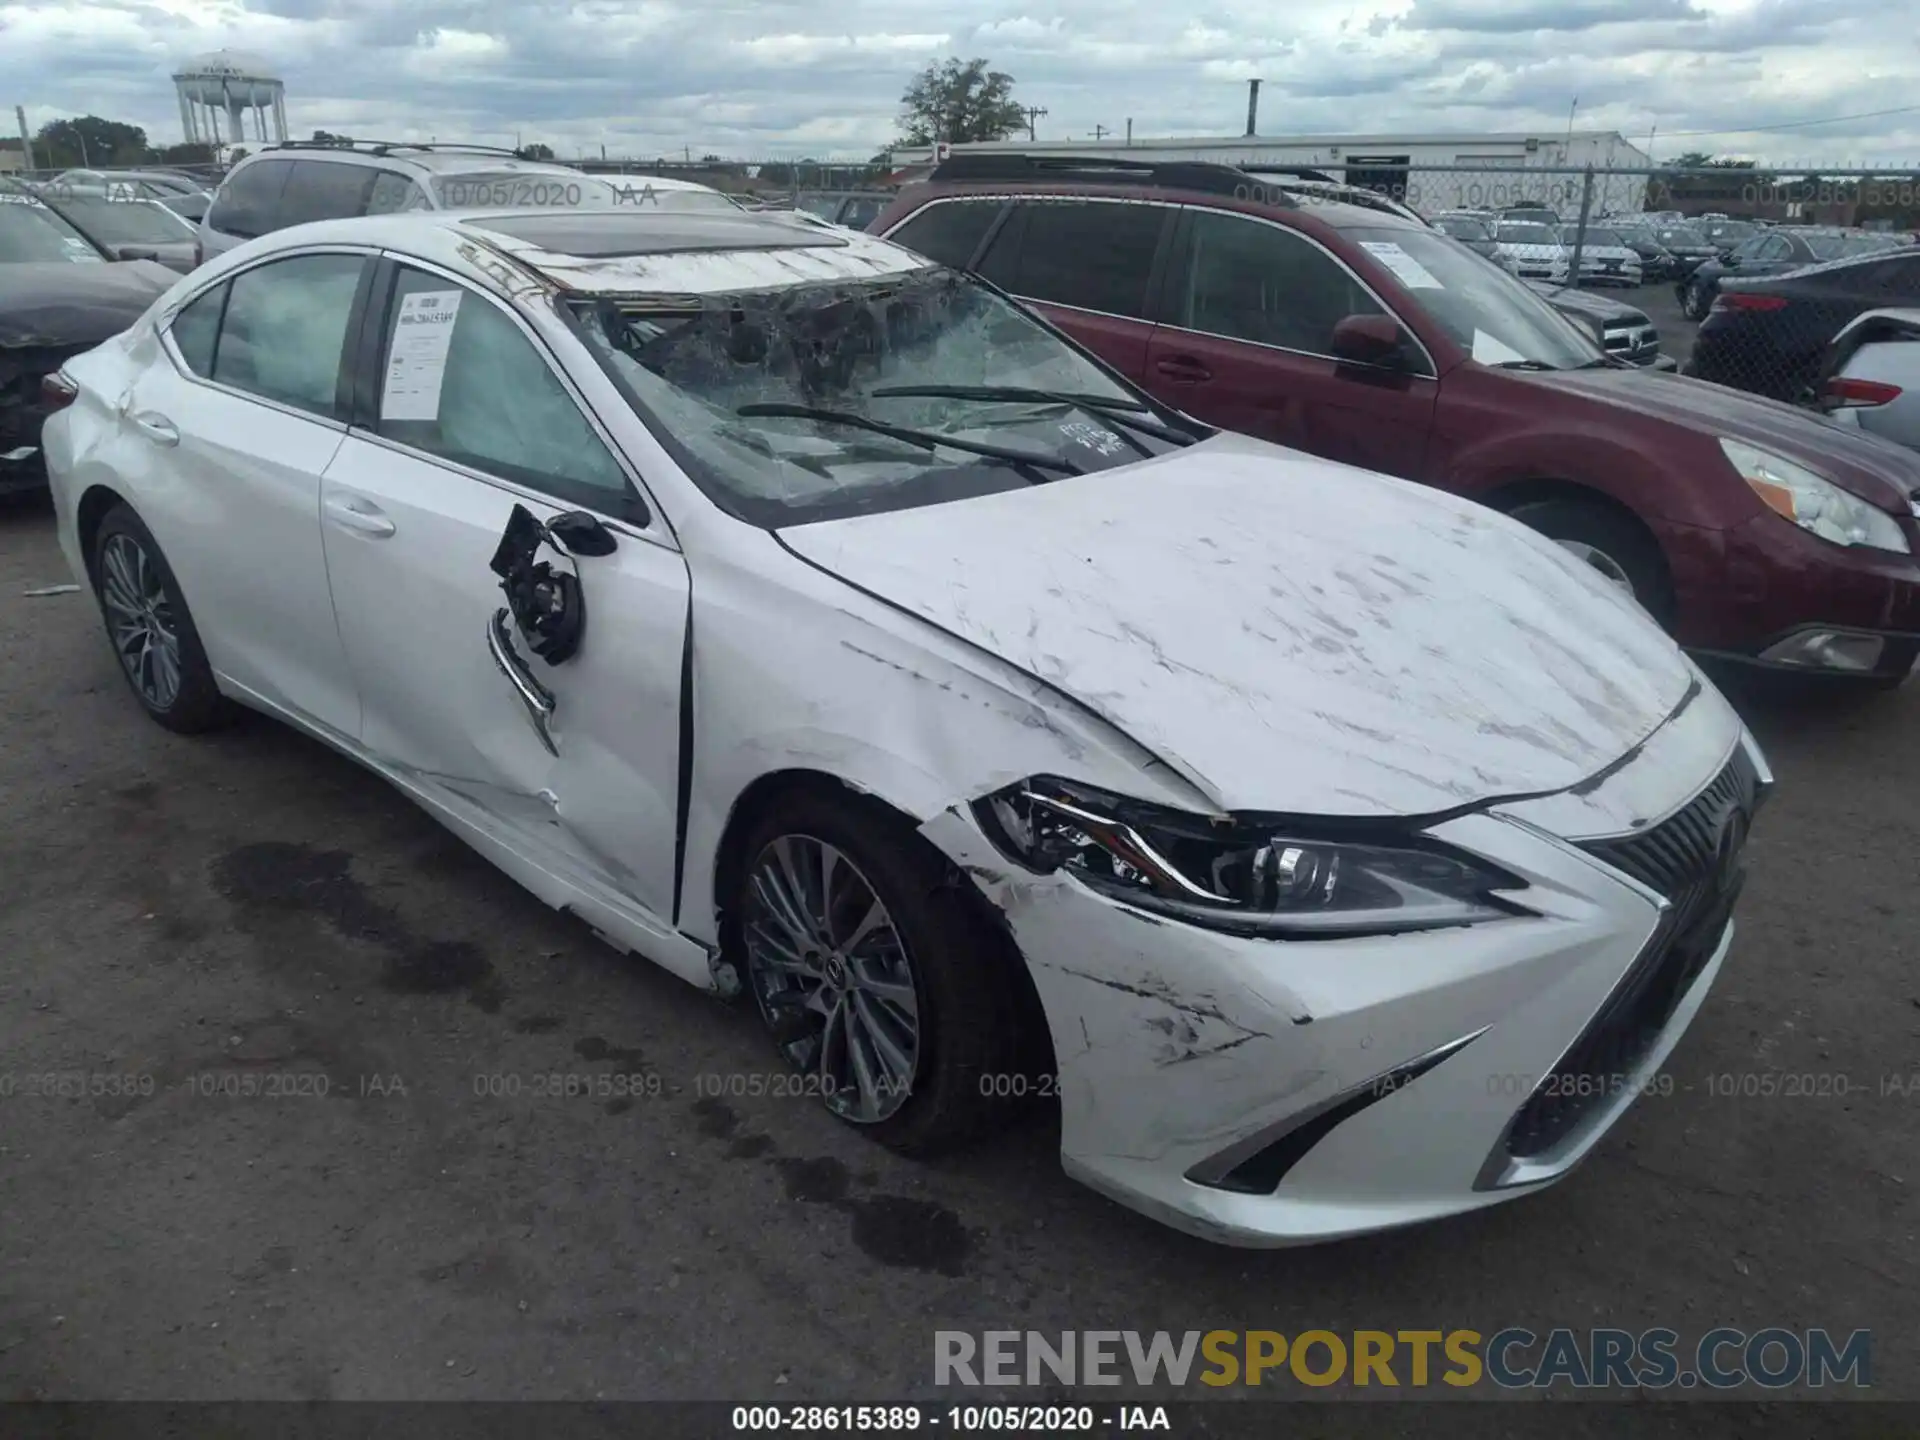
(815,622)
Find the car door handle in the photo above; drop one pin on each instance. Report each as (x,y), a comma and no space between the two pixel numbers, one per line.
(363,517)
(156,427)
(1182,368)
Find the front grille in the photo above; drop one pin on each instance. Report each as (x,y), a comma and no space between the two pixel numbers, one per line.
(1681,850)
(1636,342)
(1694,860)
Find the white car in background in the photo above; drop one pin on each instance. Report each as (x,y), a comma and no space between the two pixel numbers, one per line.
(1871,376)
(300,182)
(1533,249)
(813,621)
(1605,258)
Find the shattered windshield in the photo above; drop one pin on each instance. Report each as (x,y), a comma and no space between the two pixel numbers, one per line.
(692,365)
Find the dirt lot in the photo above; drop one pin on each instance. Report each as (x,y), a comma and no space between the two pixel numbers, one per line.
(251,905)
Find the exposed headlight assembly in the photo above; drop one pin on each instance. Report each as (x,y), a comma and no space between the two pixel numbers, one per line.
(1813,502)
(1288,880)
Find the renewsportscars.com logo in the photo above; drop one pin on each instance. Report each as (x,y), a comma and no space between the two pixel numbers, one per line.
(1510,1359)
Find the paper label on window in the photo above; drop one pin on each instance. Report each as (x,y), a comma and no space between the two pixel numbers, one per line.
(1407,270)
(1489,351)
(418,361)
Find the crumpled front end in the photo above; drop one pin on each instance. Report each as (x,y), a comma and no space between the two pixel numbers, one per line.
(1263,1092)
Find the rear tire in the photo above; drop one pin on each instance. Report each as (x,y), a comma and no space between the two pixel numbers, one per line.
(150,628)
(1614,545)
(929,977)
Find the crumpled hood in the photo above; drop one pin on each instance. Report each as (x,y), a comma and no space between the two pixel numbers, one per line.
(1876,470)
(58,304)
(1288,633)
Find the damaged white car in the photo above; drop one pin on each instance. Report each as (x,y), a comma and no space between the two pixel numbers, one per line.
(816,622)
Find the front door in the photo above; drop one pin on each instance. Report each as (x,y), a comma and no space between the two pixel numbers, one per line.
(472,422)
(1246,345)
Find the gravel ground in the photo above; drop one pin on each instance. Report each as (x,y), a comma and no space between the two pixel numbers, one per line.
(249,905)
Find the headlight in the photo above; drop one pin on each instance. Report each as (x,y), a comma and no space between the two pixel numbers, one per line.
(1291,879)
(1812,502)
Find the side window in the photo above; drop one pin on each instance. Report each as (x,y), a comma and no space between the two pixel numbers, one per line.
(284,330)
(325,190)
(393,192)
(464,382)
(195,328)
(1093,255)
(1773,247)
(1248,280)
(948,231)
(249,202)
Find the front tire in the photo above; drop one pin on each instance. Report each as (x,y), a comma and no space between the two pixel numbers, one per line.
(150,628)
(1611,543)
(882,985)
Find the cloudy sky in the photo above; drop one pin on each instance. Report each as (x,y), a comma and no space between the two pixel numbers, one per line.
(764,78)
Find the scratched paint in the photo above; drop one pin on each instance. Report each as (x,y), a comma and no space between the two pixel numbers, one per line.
(1467,660)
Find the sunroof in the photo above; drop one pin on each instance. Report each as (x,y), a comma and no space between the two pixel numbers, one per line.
(609,234)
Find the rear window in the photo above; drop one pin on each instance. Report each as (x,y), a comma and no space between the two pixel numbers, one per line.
(325,190)
(248,204)
(128,222)
(948,231)
(1090,255)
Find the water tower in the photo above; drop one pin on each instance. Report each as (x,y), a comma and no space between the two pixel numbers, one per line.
(232,84)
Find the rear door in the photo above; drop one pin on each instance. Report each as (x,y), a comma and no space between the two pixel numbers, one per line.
(458,421)
(1245,343)
(1089,265)
(234,436)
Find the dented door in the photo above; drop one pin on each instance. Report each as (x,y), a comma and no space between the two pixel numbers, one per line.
(415,607)
(470,422)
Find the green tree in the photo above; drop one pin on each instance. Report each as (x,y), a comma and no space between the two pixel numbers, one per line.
(89,140)
(327,137)
(957,102)
(192,154)
(535,151)
(1692,160)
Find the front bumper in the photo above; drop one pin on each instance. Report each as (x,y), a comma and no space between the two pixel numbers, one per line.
(1745,594)
(1264,1093)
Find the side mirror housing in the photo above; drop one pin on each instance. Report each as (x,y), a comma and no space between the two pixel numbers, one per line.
(1370,340)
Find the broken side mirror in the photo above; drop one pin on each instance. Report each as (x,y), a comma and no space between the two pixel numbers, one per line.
(1370,340)
(579,533)
(548,605)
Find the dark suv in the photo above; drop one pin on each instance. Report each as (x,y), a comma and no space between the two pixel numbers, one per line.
(1754,531)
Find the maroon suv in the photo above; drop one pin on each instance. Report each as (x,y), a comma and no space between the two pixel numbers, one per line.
(1753,530)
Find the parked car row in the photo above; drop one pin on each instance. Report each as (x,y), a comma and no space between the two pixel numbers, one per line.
(988,687)
(1380,342)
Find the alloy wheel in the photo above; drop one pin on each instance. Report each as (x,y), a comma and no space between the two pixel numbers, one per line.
(140,620)
(832,976)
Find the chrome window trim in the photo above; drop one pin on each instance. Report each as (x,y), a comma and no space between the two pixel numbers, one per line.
(163,328)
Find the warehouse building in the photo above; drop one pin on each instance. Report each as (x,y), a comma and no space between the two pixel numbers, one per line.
(1430,172)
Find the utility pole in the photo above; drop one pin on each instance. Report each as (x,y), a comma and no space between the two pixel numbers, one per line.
(1100,132)
(1253,104)
(1129,130)
(1034,112)
(26,140)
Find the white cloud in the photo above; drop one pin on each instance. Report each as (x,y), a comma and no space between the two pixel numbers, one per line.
(763,78)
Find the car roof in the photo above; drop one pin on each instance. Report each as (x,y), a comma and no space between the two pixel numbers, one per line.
(457,161)
(612,252)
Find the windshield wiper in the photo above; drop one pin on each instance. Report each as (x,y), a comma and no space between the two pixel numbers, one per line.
(1113,409)
(925,439)
(1523,365)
